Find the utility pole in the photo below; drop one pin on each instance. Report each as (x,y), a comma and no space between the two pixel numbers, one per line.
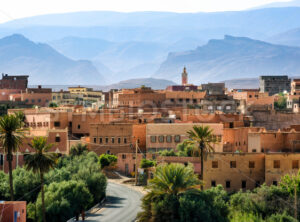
(136,151)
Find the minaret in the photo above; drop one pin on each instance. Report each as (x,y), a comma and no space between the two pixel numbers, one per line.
(184,77)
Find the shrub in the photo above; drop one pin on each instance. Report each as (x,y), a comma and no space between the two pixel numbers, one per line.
(107,160)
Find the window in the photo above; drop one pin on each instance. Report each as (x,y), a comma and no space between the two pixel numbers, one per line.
(275,182)
(227,184)
(78,127)
(253,150)
(257,183)
(210,107)
(39,100)
(295,164)
(228,107)
(95,139)
(32,100)
(57,139)
(219,107)
(251,164)
(112,140)
(125,140)
(194,100)
(26,100)
(123,156)
(24,156)
(177,138)
(108,152)
(244,184)
(56,124)
(231,125)
(169,139)
(276,164)
(214,164)
(161,139)
(232,164)
(153,139)
(119,140)
(213,183)
(100,140)
(1,159)
(106,139)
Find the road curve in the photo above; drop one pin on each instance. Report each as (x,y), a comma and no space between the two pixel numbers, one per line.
(122,205)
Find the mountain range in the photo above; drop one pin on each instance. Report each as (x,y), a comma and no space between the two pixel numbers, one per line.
(232,57)
(19,55)
(107,47)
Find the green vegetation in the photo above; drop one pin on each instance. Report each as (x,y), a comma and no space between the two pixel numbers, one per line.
(75,183)
(147,163)
(78,149)
(280,104)
(106,160)
(53,104)
(202,139)
(40,162)
(11,135)
(175,196)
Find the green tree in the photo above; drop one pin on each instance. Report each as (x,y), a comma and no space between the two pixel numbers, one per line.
(162,202)
(63,200)
(280,104)
(107,160)
(11,136)
(40,162)
(186,149)
(78,149)
(147,163)
(167,153)
(53,104)
(203,139)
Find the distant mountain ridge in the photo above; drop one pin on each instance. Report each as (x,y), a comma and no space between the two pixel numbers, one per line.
(230,58)
(43,64)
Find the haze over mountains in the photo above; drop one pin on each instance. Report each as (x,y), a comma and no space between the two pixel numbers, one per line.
(97,47)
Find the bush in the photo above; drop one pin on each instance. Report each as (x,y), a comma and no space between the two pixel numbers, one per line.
(107,160)
(167,153)
(63,200)
(78,149)
(147,163)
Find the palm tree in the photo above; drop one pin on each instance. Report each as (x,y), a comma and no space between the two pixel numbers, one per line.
(40,162)
(203,139)
(11,136)
(78,149)
(170,180)
(173,179)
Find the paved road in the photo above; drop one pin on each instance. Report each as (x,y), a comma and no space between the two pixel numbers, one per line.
(122,205)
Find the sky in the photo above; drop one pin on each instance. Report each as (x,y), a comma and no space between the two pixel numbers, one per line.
(14,9)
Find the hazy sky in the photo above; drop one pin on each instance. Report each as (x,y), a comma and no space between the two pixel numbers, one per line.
(13,9)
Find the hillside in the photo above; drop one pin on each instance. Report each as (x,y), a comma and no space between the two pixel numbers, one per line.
(290,37)
(19,55)
(231,58)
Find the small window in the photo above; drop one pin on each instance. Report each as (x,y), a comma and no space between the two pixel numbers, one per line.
(214,164)
(119,140)
(57,139)
(219,107)
(161,139)
(1,159)
(232,164)
(125,140)
(295,164)
(95,140)
(32,100)
(56,124)
(106,139)
(169,139)
(251,164)
(275,182)
(257,183)
(177,138)
(39,100)
(213,183)
(100,140)
(227,184)
(112,140)
(78,126)
(228,107)
(276,164)
(123,156)
(253,150)
(244,184)
(153,139)
(108,152)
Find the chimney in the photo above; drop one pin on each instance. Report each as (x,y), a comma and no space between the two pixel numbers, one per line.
(184,77)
